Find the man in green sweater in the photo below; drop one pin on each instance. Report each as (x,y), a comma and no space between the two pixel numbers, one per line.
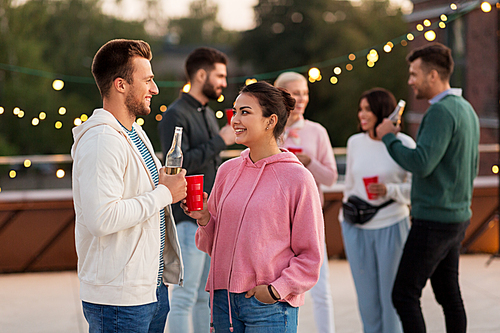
(444,165)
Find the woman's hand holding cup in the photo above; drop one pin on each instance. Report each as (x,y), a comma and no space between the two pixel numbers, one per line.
(202,216)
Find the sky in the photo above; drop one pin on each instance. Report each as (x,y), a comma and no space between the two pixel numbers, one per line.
(233,14)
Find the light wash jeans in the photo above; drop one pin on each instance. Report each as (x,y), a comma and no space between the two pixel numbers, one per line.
(249,315)
(191,300)
(322,300)
(374,259)
(147,318)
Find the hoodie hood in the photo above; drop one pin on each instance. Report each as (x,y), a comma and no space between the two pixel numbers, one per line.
(99,117)
(284,157)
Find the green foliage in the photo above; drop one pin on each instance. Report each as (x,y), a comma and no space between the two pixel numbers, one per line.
(58,37)
(295,33)
(200,26)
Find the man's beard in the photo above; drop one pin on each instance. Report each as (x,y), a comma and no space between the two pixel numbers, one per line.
(209,90)
(135,107)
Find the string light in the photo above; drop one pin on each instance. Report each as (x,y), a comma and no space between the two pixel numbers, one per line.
(60,173)
(314,74)
(404,43)
(443,17)
(84,117)
(453,6)
(427,23)
(220,99)
(42,115)
(58,125)
(495,169)
(27,163)
(57,84)
(250,81)
(186,88)
(12,173)
(387,48)
(219,114)
(337,70)
(158,117)
(2,110)
(420,27)
(35,121)
(430,35)
(410,36)
(372,57)
(140,121)
(442,25)
(62,111)
(20,114)
(348,67)
(485,7)
(163,108)
(370,63)
(352,57)
(16,111)
(334,80)
(77,122)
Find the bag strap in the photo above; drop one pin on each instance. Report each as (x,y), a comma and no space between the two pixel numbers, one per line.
(385,204)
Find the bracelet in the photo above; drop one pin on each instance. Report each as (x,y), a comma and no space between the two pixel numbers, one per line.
(270,289)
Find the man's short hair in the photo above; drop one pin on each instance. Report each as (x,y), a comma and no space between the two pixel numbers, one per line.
(203,58)
(434,56)
(114,60)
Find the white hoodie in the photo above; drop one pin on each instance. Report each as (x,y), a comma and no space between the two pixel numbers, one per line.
(117,232)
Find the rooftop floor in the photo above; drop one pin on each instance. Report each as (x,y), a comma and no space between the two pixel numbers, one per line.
(49,302)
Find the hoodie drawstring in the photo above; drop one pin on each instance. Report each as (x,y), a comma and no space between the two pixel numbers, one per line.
(212,329)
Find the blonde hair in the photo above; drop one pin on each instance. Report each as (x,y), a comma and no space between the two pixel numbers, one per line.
(288,77)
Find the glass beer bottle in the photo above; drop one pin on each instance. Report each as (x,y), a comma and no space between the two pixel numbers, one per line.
(174,156)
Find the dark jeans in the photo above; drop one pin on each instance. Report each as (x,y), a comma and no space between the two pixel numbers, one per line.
(432,252)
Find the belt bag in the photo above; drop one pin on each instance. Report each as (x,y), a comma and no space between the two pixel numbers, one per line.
(358,211)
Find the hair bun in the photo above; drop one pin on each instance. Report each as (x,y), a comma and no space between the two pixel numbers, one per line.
(288,100)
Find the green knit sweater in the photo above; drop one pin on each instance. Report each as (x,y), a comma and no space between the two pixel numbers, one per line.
(444,163)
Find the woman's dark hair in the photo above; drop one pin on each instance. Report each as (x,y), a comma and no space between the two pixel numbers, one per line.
(272,101)
(382,102)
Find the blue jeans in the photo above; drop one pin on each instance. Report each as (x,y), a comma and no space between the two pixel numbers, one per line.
(190,300)
(252,316)
(147,318)
(374,256)
(432,252)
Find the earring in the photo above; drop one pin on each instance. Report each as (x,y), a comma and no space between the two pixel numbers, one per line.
(267,128)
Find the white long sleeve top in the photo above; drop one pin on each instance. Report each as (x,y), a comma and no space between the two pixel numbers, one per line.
(366,158)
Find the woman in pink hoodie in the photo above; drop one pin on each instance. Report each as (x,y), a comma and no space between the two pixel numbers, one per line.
(263,224)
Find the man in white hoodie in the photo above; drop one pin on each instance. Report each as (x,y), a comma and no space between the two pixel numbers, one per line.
(125,238)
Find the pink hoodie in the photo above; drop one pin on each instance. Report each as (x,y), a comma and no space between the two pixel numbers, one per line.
(266,227)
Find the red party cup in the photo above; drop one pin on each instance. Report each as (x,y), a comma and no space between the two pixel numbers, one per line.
(194,199)
(295,150)
(229,116)
(368,181)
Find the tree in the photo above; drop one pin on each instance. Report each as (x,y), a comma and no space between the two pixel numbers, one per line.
(297,33)
(59,37)
(199,27)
